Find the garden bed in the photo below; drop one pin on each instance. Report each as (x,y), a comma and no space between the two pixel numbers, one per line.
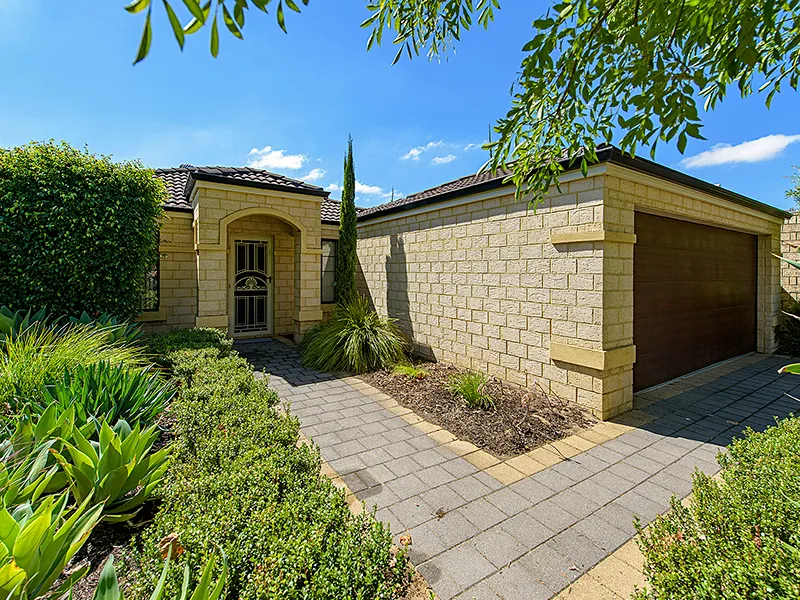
(520,421)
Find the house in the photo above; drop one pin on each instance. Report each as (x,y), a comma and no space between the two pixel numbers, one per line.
(629,277)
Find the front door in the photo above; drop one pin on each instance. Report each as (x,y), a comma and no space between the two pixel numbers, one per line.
(252,285)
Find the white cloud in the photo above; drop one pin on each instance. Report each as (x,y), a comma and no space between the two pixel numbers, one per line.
(269,158)
(366,190)
(469,147)
(753,151)
(443,160)
(314,175)
(415,152)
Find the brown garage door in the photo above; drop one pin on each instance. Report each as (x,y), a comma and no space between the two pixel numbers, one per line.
(694,297)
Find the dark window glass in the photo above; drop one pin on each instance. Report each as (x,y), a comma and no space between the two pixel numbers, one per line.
(328,284)
(150,300)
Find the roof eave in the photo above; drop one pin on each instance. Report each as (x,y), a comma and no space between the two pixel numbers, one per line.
(318,192)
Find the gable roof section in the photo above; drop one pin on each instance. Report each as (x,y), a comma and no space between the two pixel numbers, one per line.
(473,184)
(180,182)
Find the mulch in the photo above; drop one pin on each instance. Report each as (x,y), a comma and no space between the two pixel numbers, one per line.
(521,420)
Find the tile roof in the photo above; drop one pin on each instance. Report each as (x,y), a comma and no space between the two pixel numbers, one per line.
(180,181)
(330,211)
(455,188)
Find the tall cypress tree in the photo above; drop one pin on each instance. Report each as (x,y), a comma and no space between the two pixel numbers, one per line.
(346,259)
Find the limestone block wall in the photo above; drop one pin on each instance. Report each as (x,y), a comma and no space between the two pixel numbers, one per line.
(178,276)
(790,248)
(215,207)
(480,284)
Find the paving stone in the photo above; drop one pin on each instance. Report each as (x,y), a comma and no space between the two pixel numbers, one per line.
(407,486)
(527,530)
(435,476)
(577,548)
(552,515)
(425,544)
(482,514)
(498,546)
(595,492)
(601,532)
(552,479)
(532,490)
(612,482)
(465,565)
(452,529)
(459,468)
(479,591)
(443,497)
(575,503)
(412,512)
(469,488)
(508,501)
(515,582)
(547,566)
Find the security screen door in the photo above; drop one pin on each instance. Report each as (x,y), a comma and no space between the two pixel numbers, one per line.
(252,287)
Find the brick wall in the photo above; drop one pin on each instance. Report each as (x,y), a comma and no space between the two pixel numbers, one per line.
(790,248)
(480,285)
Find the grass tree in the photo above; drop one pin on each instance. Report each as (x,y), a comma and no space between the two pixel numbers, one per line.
(346,259)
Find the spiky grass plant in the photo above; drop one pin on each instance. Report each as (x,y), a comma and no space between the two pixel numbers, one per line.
(41,354)
(410,371)
(471,386)
(356,339)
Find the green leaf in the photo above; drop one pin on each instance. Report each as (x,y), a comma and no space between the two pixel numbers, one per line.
(281,20)
(108,586)
(197,12)
(177,28)
(144,44)
(793,369)
(197,23)
(214,38)
(137,6)
(229,22)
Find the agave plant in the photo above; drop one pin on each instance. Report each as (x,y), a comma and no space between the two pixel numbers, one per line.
(113,392)
(117,331)
(117,469)
(108,586)
(12,323)
(28,468)
(35,546)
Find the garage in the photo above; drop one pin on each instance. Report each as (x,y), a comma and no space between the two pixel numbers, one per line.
(694,297)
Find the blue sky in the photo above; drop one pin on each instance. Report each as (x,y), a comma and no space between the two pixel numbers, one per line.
(67,74)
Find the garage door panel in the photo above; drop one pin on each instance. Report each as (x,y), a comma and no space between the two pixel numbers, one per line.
(694,297)
(687,298)
(670,265)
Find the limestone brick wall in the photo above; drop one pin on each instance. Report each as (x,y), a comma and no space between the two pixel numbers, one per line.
(282,237)
(215,207)
(790,248)
(178,276)
(481,285)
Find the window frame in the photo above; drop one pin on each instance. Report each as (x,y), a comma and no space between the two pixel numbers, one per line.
(335,243)
(157,307)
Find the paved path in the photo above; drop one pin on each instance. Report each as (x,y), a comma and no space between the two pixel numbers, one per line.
(534,537)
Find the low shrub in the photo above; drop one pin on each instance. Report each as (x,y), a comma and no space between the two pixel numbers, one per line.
(165,346)
(471,386)
(409,370)
(109,391)
(240,480)
(739,538)
(14,322)
(355,339)
(43,354)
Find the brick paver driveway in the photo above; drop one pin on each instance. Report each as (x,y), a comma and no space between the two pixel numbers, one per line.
(475,538)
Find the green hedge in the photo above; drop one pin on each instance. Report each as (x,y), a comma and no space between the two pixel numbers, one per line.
(77,231)
(739,538)
(240,481)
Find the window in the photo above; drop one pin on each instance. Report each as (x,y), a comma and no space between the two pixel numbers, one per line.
(151,297)
(328,284)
